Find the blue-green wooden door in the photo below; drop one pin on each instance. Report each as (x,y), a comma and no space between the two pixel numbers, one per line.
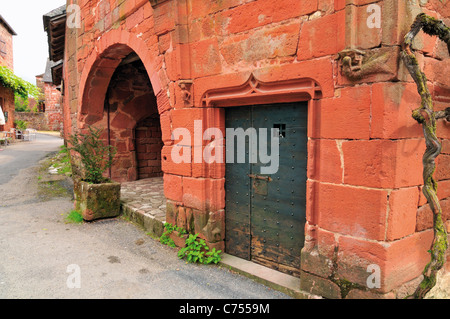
(265,213)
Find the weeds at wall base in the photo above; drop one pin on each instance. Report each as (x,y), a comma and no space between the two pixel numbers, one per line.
(195,250)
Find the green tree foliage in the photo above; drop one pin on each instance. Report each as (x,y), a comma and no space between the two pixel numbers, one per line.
(21,105)
(20,87)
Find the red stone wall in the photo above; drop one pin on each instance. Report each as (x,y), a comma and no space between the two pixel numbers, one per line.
(6,57)
(364,201)
(53,107)
(35,120)
(148,147)
(7,99)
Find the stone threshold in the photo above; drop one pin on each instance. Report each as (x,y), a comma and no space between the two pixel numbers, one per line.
(271,278)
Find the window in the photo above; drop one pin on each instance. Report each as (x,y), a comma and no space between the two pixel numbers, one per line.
(2,46)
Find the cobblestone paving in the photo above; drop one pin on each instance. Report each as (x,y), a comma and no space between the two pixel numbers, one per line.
(145,196)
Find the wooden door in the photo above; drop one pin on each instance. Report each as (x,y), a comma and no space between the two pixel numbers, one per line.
(265,213)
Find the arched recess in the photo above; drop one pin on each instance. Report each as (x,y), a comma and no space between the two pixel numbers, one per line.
(133,122)
(111,49)
(117,93)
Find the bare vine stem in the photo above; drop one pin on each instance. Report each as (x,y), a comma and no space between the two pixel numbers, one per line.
(427,117)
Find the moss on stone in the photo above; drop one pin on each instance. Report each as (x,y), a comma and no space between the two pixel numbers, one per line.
(97,201)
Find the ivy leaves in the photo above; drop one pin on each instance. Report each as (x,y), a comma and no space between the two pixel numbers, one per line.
(20,87)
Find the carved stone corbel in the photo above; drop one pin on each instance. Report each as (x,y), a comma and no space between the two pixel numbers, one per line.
(186,91)
(351,60)
(357,64)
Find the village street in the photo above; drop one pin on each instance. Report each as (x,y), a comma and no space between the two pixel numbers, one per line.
(42,256)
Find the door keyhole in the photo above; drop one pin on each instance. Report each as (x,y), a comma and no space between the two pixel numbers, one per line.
(281,130)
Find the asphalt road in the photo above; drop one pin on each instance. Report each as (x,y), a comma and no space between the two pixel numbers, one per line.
(25,154)
(42,256)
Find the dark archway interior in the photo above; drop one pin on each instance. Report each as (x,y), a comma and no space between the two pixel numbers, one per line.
(133,122)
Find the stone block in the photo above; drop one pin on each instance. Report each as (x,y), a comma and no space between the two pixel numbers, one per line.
(204,194)
(321,37)
(399,261)
(346,116)
(383,163)
(402,212)
(97,201)
(324,160)
(259,13)
(206,59)
(425,215)
(173,187)
(392,106)
(170,167)
(350,210)
(316,285)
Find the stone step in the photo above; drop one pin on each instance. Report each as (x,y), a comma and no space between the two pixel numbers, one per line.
(152,224)
(276,280)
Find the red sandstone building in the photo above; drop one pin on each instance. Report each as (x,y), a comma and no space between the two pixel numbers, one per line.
(347,196)
(51,101)
(6,59)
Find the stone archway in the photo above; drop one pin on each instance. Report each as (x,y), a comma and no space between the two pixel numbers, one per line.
(133,122)
(116,94)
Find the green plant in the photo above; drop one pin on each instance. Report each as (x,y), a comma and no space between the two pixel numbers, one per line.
(74,217)
(21,125)
(165,239)
(20,87)
(63,150)
(196,251)
(21,104)
(96,157)
(64,165)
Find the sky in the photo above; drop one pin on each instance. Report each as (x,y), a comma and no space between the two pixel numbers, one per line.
(30,44)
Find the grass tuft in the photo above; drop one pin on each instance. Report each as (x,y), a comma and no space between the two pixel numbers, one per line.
(74,217)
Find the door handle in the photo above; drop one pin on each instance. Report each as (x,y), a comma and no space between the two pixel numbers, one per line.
(264,178)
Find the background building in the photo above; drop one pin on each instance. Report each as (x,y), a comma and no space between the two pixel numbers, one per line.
(46,113)
(51,103)
(6,59)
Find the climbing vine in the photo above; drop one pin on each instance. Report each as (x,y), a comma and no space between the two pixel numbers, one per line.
(426,116)
(20,87)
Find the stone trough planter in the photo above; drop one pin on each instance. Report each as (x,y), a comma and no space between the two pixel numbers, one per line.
(97,201)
